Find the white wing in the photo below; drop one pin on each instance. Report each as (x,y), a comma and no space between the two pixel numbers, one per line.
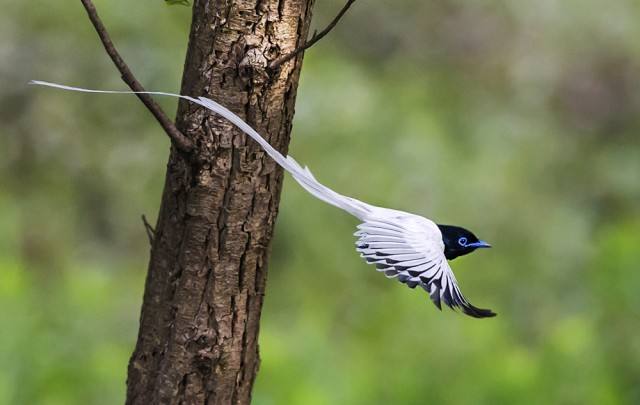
(409,248)
(405,246)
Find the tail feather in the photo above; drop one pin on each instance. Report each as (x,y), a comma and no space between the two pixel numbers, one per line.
(303,176)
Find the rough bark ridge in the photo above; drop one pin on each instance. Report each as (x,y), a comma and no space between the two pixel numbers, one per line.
(197,342)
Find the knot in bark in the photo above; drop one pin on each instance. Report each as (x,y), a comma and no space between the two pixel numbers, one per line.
(253,67)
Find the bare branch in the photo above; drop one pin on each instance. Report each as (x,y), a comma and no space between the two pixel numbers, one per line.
(181,142)
(314,38)
(151,233)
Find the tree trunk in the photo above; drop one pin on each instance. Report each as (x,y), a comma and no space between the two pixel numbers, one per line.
(197,342)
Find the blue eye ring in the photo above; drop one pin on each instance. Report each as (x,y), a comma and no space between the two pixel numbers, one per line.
(462,241)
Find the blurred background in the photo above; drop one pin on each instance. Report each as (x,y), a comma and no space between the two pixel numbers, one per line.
(519,120)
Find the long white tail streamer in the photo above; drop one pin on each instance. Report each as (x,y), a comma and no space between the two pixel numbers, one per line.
(303,176)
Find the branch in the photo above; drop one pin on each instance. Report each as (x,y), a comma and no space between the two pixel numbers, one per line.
(314,38)
(181,142)
(151,233)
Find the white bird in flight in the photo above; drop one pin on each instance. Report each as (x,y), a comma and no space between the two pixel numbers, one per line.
(409,248)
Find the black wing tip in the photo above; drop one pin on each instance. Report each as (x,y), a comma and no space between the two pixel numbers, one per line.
(467,309)
(479,313)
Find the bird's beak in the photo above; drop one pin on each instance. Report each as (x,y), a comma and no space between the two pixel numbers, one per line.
(479,244)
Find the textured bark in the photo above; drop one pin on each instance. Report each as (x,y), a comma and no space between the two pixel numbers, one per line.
(198,333)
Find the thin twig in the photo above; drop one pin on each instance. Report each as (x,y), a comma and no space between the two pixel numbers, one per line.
(317,36)
(181,142)
(151,233)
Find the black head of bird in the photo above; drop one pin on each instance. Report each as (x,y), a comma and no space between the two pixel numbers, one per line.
(459,241)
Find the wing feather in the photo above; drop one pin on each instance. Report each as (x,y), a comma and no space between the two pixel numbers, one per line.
(409,249)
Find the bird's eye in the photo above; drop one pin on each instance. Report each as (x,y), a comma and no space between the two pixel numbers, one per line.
(462,241)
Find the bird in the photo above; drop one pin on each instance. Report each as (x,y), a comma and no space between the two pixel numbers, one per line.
(403,246)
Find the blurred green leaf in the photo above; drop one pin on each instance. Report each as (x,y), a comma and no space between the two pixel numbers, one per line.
(179,2)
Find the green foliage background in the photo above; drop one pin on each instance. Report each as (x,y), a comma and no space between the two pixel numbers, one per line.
(519,120)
